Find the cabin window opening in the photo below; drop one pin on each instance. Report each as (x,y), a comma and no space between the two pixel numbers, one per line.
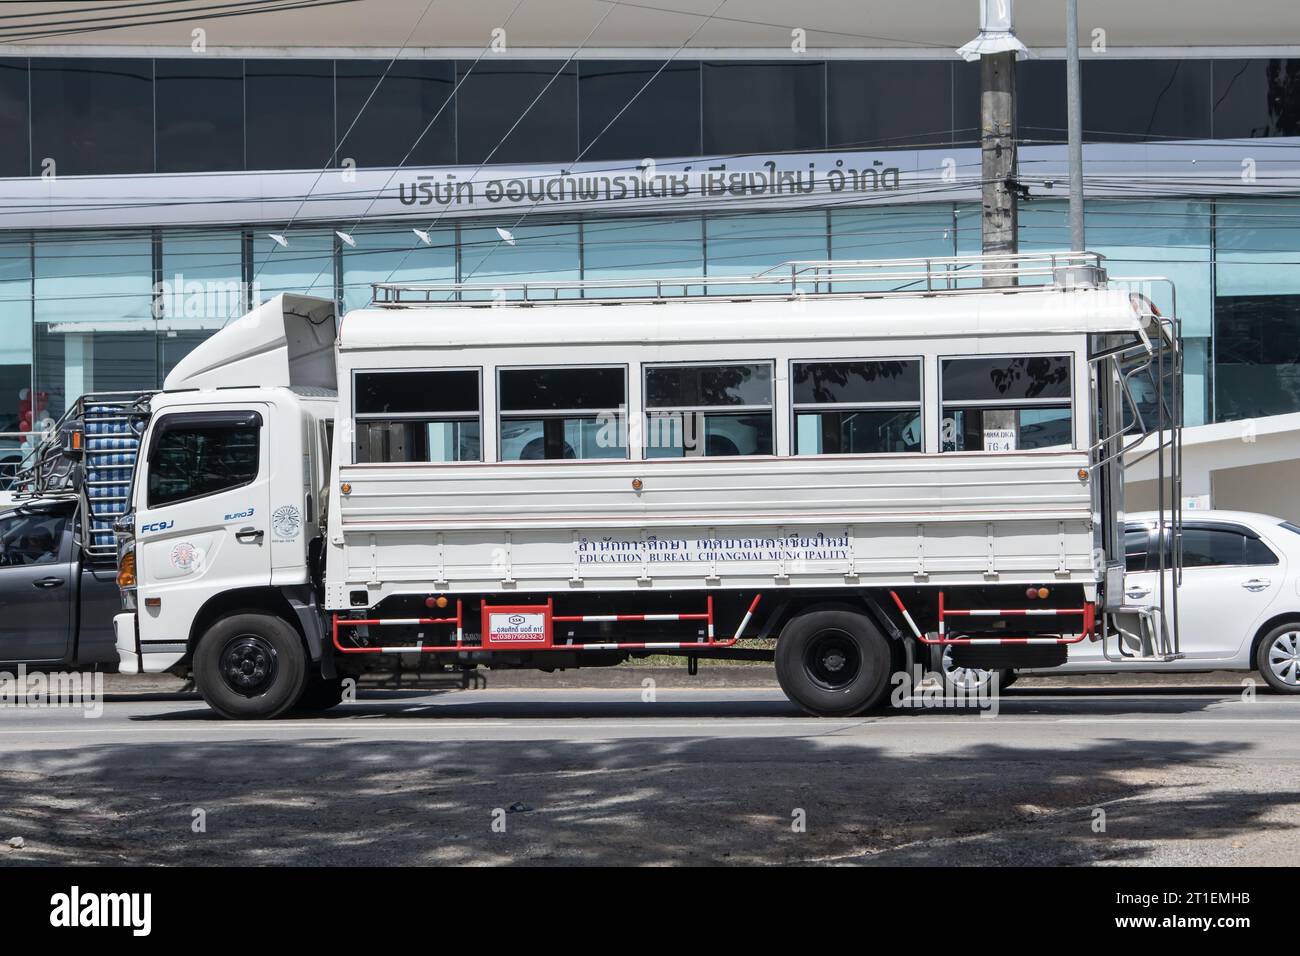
(712,410)
(856,407)
(574,412)
(429,415)
(1008,403)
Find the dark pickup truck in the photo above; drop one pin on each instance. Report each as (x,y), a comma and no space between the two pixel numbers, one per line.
(56,601)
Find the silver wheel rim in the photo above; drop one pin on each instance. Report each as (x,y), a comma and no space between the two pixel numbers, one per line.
(1284,658)
(964,678)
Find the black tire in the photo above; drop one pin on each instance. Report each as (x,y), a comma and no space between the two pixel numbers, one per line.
(320,694)
(250,666)
(833,662)
(1275,658)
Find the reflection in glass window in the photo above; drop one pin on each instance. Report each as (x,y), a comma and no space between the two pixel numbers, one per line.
(708,410)
(856,408)
(1256,98)
(557,413)
(862,115)
(426,415)
(197,455)
(1006,404)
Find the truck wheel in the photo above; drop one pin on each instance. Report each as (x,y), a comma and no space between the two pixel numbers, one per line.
(833,662)
(320,694)
(250,665)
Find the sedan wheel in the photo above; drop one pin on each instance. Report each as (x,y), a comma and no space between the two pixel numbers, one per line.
(1278,659)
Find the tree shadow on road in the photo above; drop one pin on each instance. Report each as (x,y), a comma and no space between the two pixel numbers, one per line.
(896,798)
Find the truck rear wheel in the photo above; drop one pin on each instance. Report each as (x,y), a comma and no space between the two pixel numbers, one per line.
(833,662)
(249,666)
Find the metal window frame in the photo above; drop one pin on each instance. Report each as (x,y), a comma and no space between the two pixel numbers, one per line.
(1070,403)
(806,407)
(430,416)
(565,413)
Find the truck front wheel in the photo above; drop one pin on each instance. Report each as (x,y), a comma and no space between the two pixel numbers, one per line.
(249,666)
(833,662)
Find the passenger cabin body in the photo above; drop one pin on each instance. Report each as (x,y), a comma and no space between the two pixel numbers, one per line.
(838,442)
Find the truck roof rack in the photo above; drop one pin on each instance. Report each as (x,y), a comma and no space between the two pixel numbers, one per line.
(817,277)
(90,454)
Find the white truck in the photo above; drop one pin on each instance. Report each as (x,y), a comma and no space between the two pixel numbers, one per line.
(844,467)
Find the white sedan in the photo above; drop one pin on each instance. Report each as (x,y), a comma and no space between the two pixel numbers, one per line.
(1239,604)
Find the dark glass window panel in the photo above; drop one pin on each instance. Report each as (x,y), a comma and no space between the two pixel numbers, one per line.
(857,433)
(397,393)
(200,115)
(290,109)
(888,104)
(537,389)
(663,121)
(1256,98)
(92,115)
(1219,547)
(1036,427)
(1136,543)
(792,113)
(1006,379)
(1256,355)
(1040,100)
(35,538)
(1257,552)
(494,95)
(696,435)
(966,103)
(857,382)
(1139,100)
(15,141)
(407,100)
(690,386)
(191,461)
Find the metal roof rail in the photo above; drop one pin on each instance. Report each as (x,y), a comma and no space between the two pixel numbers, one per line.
(820,277)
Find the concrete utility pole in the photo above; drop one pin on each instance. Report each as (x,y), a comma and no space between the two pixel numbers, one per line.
(997,49)
(998,218)
(1074,122)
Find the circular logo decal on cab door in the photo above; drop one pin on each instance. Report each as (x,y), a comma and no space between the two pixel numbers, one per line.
(184,556)
(286,520)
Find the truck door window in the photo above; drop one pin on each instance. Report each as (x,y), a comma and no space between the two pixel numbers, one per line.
(567,412)
(200,454)
(708,410)
(426,415)
(856,408)
(1006,404)
(31,538)
(1137,540)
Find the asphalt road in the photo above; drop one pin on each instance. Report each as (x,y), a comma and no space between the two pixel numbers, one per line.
(1179,775)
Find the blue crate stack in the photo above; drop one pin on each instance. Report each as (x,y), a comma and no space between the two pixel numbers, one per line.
(111,448)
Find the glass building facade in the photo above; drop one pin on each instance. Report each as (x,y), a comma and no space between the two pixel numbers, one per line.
(110,309)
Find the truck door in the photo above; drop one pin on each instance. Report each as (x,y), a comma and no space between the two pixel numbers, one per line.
(36,587)
(203,507)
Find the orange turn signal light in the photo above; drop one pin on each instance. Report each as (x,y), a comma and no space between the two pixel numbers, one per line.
(126,571)
(346,487)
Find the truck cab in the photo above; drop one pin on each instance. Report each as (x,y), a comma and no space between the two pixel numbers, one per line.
(225,514)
